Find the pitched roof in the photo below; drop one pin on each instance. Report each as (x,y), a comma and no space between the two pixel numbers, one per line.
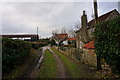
(62,36)
(71,38)
(102,17)
(89,45)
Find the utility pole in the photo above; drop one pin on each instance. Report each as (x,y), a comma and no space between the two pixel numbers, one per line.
(96,22)
(37,30)
(37,34)
(119,6)
(96,11)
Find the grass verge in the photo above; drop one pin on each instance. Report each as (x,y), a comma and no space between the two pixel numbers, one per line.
(48,68)
(72,68)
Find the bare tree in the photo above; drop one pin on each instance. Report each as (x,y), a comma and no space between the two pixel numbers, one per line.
(63,30)
(71,32)
(77,26)
(54,32)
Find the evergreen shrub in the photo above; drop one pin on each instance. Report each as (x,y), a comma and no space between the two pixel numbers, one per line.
(107,42)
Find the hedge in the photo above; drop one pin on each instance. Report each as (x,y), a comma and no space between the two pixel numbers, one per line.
(107,42)
(14,53)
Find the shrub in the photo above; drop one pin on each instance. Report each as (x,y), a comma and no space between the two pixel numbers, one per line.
(14,53)
(35,46)
(107,37)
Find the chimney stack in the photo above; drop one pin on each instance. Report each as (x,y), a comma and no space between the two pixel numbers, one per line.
(84,20)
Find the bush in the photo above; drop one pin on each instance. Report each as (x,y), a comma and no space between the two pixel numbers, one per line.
(14,53)
(107,37)
(35,46)
(42,44)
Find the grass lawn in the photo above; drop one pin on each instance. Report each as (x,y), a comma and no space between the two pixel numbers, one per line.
(48,68)
(21,70)
(72,67)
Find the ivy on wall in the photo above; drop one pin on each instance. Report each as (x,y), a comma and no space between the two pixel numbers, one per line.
(107,42)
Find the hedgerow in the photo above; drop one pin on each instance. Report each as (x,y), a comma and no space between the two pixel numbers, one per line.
(14,53)
(107,42)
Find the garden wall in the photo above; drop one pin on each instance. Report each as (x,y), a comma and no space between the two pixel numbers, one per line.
(89,57)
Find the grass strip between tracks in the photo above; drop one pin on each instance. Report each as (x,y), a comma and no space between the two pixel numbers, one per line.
(48,68)
(72,67)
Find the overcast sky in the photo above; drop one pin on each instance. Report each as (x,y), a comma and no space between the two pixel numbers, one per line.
(24,17)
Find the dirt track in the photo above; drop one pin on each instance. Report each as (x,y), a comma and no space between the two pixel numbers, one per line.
(34,71)
(60,66)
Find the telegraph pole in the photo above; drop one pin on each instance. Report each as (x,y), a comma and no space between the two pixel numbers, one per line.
(96,11)
(96,22)
(37,30)
(37,34)
(119,6)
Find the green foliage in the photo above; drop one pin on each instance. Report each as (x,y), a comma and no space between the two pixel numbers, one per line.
(21,70)
(107,37)
(43,42)
(35,46)
(14,53)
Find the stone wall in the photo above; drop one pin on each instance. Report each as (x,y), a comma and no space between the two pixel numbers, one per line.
(89,57)
(77,40)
